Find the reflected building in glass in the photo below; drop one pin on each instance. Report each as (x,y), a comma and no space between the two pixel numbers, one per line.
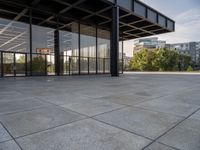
(64,37)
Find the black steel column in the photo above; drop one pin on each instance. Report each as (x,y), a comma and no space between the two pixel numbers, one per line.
(57,50)
(96,49)
(31,48)
(79,48)
(14,64)
(26,67)
(45,64)
(114,55)
(1,64)
(122,56)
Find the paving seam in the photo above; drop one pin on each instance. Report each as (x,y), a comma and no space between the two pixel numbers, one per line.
(171,128)
(161,112)
(49,129)
(6,141)
(11,135)
(65,109)
(12,113)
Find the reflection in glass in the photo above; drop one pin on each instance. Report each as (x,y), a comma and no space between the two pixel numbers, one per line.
(43,59)
(8,64)
(88,49)
(120,57)
(69,49)
(0,64)
(20,64)
(50,64)
(14,36)
(38,64)
(103,51)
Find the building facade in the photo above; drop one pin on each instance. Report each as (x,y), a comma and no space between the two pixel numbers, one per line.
(65,37)
(191,49)
(148,43)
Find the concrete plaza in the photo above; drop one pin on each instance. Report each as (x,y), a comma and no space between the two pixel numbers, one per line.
(132,112)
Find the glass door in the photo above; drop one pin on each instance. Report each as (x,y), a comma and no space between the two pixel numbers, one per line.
(8,64)
(50,64)
(20,64)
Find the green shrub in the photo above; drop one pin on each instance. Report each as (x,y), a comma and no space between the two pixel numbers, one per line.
(189,68)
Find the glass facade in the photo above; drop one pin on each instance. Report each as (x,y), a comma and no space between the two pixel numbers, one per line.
(14,36)
(88,49)
(103,51)
(43,56)
(69,49)
(83,49)
(73,37)
(120,56)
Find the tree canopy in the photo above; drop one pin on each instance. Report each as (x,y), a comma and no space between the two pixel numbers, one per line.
(160,60)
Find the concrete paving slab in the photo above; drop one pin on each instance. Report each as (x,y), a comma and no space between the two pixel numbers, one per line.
(20,124)
(22,105)
(196,115)
(64,98)
(181,89)
(191,96)
(161,105)
(185,136)
(92,107)
(143,122)
(125,99)
(9,145)
(4,136)
(158,146)
(95,92)
(83,135)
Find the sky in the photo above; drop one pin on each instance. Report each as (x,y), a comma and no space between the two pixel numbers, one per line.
(186,14)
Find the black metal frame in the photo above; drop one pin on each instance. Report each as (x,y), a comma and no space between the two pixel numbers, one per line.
(14,64)
(123,23)
(45,64)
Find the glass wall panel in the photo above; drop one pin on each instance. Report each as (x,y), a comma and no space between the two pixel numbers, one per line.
(8,64)
(88,49)
(39,65)
(101,65)
(20,60)
(0,65)
(50,64)
(69,49)
(120,57)
(107,65)
(14,36)
(103,52)
(43,59)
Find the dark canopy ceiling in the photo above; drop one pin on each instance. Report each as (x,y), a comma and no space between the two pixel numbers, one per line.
(95,12)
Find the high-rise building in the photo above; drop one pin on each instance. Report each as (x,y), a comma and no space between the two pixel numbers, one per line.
(148,43)
(189,48)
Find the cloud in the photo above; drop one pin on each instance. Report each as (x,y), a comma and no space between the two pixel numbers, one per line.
(187,27)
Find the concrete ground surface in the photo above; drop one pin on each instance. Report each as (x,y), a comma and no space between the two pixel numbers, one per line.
(132,112)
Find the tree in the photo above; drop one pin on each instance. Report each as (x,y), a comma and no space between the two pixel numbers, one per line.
(159,60)
(143,61)
(38,65)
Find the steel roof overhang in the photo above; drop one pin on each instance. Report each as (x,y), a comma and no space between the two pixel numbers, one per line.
(136,19)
